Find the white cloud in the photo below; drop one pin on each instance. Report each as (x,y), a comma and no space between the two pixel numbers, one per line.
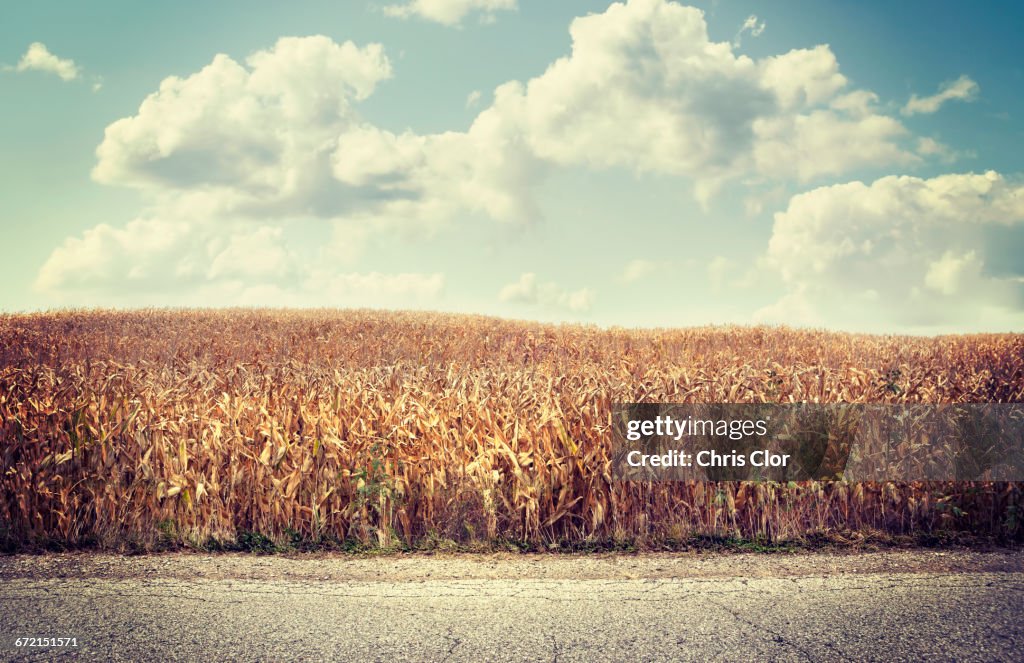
(198,263)
(280,136)
(646,89)
(254,138)
(527,290)
(948,274)
(902,250)
(752,25)
(639,269)
(792,309)
(232,152)
(253,255)
(932,147)
(143,252)
(450,12)
(473,99)
(858,103)
(810,145)
(432,178)
(39,58)
(962,89)
(155,254)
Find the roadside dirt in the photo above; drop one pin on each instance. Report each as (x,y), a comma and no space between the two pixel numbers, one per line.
(422,567)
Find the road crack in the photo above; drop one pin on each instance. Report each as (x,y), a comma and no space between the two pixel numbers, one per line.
(455,642)
(775,636)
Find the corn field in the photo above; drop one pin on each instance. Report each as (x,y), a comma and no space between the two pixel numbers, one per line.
(398,429)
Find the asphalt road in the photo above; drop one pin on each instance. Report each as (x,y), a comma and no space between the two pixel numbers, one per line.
(898,606)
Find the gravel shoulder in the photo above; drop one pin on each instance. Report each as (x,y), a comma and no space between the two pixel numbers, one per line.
(417,567)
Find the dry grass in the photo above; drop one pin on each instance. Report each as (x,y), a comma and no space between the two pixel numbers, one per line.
(384,428)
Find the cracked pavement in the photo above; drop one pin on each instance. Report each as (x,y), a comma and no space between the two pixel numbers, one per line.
(906,605)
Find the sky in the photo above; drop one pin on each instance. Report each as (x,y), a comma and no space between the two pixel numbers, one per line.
(852,166)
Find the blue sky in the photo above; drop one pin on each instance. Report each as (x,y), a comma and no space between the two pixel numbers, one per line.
(844,165)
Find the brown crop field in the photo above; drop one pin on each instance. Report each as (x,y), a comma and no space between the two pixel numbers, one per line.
(204,428)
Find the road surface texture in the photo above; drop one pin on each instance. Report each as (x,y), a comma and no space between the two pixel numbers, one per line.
(903,605)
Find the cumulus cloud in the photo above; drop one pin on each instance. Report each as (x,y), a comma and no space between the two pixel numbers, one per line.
(39,58)
(229,154)
(450,12)
(962,89)
(529,291)
(280,135)
(645,88)
(151,254)
(902,250)
(259,135)
(485,170)
(213,264)
(949,273)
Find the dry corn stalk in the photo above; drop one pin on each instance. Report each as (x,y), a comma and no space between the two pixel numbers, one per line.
(125,426)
